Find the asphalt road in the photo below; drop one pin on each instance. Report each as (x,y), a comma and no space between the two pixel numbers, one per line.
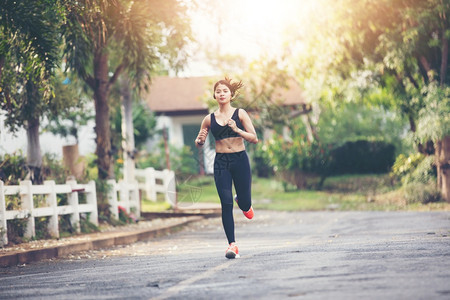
(304,255)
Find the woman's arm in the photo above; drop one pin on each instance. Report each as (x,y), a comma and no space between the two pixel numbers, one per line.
(250,133)
(203,133)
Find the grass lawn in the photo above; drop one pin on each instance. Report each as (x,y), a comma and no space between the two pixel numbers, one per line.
(353,192)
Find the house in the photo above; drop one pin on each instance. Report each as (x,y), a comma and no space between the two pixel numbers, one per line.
(180,108)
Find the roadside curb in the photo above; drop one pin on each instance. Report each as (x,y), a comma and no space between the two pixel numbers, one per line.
(106,240)
(213,213)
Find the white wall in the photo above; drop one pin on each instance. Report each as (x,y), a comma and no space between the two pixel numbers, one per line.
(10,143)
(174,127)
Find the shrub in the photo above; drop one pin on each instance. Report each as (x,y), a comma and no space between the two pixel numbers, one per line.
(261,161)
(418,176)
(299,161)
(417,192)
(362,157)
(414,168)
(13,167)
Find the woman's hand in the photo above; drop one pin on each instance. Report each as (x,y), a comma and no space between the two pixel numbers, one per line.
(201,138)
(232,124)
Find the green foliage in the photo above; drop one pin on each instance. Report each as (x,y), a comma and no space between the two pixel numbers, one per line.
(418,192)
(299,154)
(261,164)
(390,54)
(418,176)
(29,49)
(31,27)
(425,172)
(362,157)
(348,122)
(434,117)
(298,159)
(53,169)
(415,168)
(405,165)
(144,122)
(16,230)
(70,110)
(41,228)
(86,226)
(182,160)
(12,168)
(105,39)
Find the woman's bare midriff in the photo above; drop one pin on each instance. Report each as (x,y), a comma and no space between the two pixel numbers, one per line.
(230,145)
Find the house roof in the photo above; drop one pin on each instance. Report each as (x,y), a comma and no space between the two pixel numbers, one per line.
(177,94)
(183,95)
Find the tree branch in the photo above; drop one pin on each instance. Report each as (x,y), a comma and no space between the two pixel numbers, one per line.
(412,123)
(413,81)
(116,75)
(426,65)
(306,109)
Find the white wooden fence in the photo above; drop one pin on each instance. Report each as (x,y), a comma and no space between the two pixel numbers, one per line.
(121,193)
(25,190)
(125,195)
(152,182)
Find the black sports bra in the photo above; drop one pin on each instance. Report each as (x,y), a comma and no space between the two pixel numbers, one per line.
(223,132)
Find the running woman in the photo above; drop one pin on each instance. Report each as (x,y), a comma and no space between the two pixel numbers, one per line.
(230,127)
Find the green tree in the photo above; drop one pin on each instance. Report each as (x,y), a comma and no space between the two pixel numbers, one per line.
(389,53)
(29,53)
(107,38)
(72,110)
(405,45)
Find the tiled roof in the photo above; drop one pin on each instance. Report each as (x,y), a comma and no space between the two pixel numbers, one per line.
(176,94)
(169,94)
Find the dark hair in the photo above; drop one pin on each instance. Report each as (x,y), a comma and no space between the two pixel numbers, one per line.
(234,87)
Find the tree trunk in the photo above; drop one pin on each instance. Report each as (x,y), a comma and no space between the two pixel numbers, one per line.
(442,159)
(127,130)
(73,161)
(34,156)
(102,123)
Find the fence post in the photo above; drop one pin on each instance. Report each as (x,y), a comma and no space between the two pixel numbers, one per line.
(150,183)
(112,198)
(170,187)
(91,198)
(27,202)
(124,195)
(4,222)
(51,200)
(133,194)
(73,201)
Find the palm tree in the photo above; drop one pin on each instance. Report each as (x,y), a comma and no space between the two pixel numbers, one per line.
(106,38)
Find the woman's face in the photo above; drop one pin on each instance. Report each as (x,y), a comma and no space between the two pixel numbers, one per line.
(222,93)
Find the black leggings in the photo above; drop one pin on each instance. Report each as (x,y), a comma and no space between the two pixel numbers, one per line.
(234,167)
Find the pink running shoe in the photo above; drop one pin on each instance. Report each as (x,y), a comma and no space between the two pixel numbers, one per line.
(248,214)
(232,251)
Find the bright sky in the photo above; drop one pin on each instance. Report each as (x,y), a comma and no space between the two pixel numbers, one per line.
(250,28)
